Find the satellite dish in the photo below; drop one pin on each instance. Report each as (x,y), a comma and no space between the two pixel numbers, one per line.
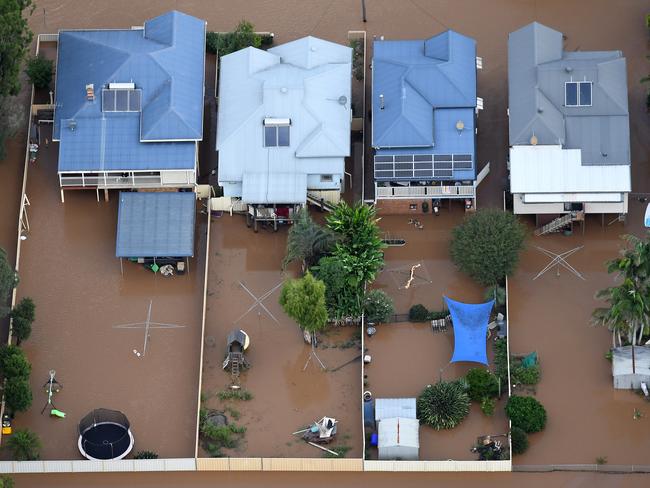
(343,100)
(460,125)
(533,140)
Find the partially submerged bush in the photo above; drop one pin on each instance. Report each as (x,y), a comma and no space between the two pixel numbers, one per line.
(525,375)
(487,406)
(482,383)
(500,348)
(40,71)
(443,405)
(223,43)
(526,413)
(519,440)
(24,445)
(418,313)
(145,455)
(378,306)
(486,245)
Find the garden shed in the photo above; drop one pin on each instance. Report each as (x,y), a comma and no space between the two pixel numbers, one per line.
(399,438)
(631,367)
(386,408)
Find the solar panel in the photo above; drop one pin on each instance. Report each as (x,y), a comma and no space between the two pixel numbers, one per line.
(422,157)
(445,173)
(283,135)
(270,136)
(121,100)
(383,159)
(108,100)
(442,157)
(135,98)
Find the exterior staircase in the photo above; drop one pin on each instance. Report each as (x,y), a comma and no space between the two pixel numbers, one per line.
(319,202)
(235,363)
(561,222)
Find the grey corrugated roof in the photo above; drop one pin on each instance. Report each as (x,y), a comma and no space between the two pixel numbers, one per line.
(395,407)
(538,68)
(155,224)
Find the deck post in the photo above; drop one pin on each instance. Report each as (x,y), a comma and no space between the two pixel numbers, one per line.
(62,197)
(106,194)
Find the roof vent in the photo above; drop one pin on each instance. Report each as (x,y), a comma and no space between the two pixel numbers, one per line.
(72,124)
(603,154)
(284,89)
(533,140)
(540,110)
(312,49)
(460,125)
(568,69)
(90,92)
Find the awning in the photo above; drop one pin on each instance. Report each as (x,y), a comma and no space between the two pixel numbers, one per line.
(470,322)
(269,188)
(155,224)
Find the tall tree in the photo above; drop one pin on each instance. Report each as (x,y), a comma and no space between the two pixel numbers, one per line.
(304,301)
(15,38)
(307,241)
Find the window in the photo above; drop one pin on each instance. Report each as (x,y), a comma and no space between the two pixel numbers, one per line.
(326,178)
(577,93)
(276,132)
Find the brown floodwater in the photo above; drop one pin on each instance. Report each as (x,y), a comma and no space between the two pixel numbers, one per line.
(286,398)
(608,25)
(68,266)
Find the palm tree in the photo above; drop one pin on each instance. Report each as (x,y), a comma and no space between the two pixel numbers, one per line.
(307,241)
(24,445)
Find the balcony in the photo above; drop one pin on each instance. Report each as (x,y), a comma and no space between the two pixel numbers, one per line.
(459,191)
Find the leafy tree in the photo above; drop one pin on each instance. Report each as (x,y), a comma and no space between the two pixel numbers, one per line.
(486,245)
(342,294)
(526,413)
(223,43)
(40,71)
(7,353)
(15,39)
(519,440)
(307,241)
(18,394)
(8,281)
(443,405)
(6,482)
(16,366)
(628,310)
(304,301)
(482,383)
(23,316)
(360,246)
(24,445)
(378,306)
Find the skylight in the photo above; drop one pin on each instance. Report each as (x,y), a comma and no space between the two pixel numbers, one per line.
(577,93)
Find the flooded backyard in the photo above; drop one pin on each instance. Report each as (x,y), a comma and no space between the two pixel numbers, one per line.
(289,392)
(69,268)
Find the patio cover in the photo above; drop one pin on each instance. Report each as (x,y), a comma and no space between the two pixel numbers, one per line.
(155,224)
(470,322)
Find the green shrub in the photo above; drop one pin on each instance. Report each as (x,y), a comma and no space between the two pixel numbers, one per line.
(500,349)
(519,440)
(521,375)
(6,482)
(443,405)
(18,394)
(486,245)
(223,43)
(24,445)
(378,306)
(482,383)
(438,314)
(487,406)
(526,413)
(418,313)
(243,395)
(40,70)
(145,455)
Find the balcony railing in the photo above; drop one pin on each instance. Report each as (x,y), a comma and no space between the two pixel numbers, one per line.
(461,191)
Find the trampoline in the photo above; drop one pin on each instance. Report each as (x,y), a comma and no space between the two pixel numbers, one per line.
(105,434)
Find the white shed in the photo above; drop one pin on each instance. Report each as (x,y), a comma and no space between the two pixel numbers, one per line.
(386,408)
(399,439)
(631,367)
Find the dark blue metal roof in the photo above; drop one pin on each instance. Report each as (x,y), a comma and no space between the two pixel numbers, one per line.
(165,60)
(155,224)
(470,323)
(428,86)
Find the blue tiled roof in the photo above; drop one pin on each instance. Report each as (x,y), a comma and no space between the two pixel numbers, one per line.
(427,87)
(165,61)
(155,224)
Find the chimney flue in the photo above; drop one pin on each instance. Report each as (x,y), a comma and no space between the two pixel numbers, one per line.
(381,102)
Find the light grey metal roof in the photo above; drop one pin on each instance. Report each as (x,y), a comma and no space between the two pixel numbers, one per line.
(622,362)
(386,408)
(538,69)
(307,81)
(155,224)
